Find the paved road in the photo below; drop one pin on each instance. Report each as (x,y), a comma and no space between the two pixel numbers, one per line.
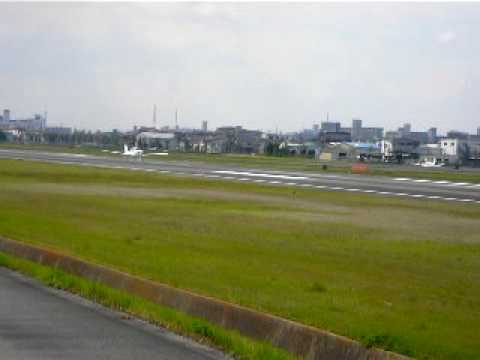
(37,323)
(376,185)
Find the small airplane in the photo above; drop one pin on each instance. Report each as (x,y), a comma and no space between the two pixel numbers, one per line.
(133,151)
(429,164)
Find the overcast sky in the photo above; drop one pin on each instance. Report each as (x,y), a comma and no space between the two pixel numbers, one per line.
(103,66)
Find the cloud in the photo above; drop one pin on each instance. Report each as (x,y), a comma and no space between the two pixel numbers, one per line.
(446,37)
(253,64)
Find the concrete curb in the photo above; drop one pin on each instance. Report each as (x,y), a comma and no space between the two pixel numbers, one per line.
(304,341)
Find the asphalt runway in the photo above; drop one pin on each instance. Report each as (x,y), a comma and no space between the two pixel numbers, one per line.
(407,188)
(39,323)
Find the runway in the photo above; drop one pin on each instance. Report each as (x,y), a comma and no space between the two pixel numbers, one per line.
(408,188)
(39,323)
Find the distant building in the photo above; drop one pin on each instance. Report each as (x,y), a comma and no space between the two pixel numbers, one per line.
(157,141)
(432,135)
(36,123)
(204,126)
(335,137)
(328,126)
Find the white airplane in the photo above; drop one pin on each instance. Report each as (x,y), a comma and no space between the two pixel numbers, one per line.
(132,151)
(429,164)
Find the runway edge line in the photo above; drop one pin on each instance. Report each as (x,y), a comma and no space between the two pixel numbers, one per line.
(301,340)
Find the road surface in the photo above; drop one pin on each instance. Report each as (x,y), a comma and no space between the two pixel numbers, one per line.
(441,190)
(38,323)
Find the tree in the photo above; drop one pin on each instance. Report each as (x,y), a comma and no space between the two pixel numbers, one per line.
(3,136)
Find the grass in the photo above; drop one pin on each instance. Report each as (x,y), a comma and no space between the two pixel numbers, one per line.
(288,163)
(395,273)
(198,329)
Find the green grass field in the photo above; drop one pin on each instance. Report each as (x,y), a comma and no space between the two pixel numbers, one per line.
(394,273)
(290,163)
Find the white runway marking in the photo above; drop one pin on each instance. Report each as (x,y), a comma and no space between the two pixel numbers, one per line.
(449,198)
(291,183)
(384,192)
(244,179)
(337,188)
(417,195)
(434,197)
(274,182)
(441,182)
(306,185)
(401,194)
(259,180)
(402,179)
(320,186)
(247,173)
(422,180)
(150,170)
(459,184)
(352,189)
(369,191)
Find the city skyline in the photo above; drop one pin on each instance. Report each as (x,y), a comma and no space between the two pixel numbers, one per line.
(262,66)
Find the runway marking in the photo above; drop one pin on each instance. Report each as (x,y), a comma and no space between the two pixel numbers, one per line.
(252,174)
(434,197)
(422,180)
(385,192)
(197,174)
(150,170)
(401,194)
(244,179)
(212,176)
(274,182)
(259,180)
(228,177)
(449,198)
(416,195)
(337,188)
(466,200)
(369,191)
(402,179)
(305,185)
(352,189)
(459,184)
(291,183)
(320,186)
(441,182)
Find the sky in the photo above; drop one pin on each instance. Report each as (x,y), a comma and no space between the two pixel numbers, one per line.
(259,65)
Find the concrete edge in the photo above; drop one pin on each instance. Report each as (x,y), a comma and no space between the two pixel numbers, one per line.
(301,340)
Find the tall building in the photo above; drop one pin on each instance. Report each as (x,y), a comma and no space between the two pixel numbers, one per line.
(365,134)
(204,126)
(432,135)
(356,129)
(6,115)
(478,131)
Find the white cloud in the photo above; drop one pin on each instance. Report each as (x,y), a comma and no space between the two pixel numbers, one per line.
(447,37)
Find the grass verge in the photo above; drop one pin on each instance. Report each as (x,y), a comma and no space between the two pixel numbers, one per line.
(202,331)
